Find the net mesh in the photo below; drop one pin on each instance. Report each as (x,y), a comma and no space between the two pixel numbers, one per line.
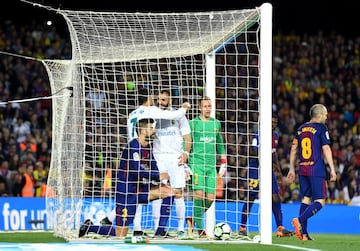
(113,55)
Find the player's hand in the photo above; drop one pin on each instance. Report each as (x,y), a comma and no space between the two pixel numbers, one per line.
(186,106)
(183,158)
(291,176)
(222,170)
(188,172)
(333,176)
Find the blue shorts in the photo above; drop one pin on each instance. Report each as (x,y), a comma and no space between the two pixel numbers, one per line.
(313,187)
(253,182)
(125,211)
(253,186)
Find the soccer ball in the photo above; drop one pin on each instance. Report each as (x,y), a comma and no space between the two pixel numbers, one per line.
(257,239)
(222,231)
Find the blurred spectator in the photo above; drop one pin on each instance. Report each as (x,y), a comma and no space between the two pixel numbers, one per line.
(4,191)
(355,201)
(332,192)
(4,169)
(295,196)
(341,199)
(16,184)
(27,182)
(40,177)
(351,189)
(21,129)
(28,144)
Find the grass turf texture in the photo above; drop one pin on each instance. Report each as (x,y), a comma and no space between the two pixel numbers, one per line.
(328,242)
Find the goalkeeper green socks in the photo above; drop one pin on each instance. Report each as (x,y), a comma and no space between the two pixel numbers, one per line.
(198,213)
(207,204)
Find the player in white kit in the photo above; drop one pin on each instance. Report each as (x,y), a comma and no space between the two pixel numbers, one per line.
(171,149)
(146,109)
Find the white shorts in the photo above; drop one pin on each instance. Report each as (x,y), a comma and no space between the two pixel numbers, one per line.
(176,172)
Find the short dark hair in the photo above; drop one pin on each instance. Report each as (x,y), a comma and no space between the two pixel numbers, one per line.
(143,95)
(142,123)
(166,91)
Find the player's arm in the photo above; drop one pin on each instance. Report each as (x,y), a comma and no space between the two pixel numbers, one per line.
(185,132)
(329,158)
(183,158)
(157,113)
(293,153)
(276,162)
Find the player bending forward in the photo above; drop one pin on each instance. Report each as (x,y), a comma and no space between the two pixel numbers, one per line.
(138,182)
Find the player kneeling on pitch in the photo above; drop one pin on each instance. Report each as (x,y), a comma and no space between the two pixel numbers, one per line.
(138,182)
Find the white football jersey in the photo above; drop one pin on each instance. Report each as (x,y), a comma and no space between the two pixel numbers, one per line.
(169,138)
(153,112)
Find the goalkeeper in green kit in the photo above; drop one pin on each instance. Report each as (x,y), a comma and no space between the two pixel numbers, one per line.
(207,143)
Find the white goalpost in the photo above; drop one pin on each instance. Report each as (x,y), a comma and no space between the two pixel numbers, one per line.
(226,55)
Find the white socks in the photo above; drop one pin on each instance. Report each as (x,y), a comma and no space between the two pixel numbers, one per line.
(180,212)
(137,218)
(156,206)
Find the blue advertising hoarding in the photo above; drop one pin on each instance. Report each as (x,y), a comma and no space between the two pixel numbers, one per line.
(30,214)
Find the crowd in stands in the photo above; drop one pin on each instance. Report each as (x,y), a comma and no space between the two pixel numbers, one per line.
(26,129)
(308,69)
(322,68)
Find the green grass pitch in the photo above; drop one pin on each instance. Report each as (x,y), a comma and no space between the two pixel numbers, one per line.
(326,242)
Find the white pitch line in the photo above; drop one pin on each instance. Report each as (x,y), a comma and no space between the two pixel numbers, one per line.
(296,247)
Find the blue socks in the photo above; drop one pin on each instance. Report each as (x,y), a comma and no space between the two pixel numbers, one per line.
(102,230)
(308,212)
(276,208)
(165,211)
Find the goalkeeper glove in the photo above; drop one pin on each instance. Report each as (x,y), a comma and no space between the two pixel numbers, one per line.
(222,170)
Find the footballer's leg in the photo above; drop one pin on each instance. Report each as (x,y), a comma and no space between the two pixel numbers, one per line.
(178,181)
(122,231)
(281,231)
(180,212)
(160,192)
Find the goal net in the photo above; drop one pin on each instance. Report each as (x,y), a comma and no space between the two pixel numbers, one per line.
(222,54)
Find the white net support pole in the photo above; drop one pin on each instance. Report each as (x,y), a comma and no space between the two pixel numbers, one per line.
(210,91)
(265,123)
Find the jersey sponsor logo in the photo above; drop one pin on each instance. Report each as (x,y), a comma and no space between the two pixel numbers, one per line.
(165,133)
(307,163)
(207,139)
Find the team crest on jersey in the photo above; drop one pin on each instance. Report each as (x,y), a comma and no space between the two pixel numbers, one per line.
(215,129)
(136,156)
